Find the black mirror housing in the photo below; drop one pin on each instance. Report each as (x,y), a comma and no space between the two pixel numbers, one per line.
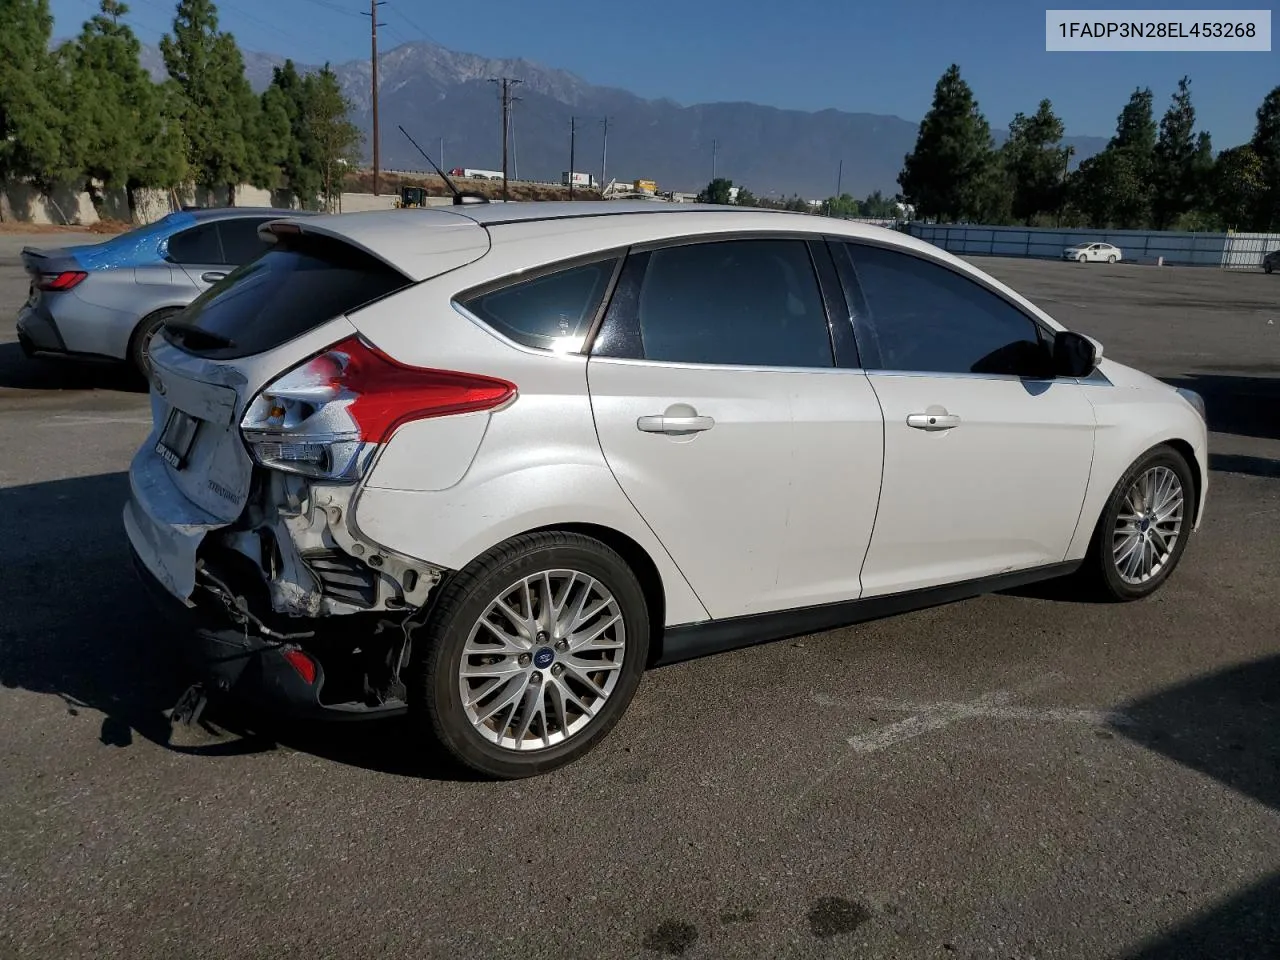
(1073,355)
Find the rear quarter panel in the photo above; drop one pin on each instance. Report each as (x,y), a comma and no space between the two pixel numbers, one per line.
(536,463)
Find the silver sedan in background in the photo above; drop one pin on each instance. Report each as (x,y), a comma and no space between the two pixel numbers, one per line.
(103,301)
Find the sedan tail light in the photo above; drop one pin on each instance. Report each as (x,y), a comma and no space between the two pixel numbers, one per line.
(327,416)
(60,281)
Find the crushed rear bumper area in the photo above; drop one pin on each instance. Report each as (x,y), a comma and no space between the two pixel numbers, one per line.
(297,672)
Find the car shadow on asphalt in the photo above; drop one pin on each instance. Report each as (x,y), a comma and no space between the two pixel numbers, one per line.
(1246,406)
(20,372)
(1225,725)
(76,624)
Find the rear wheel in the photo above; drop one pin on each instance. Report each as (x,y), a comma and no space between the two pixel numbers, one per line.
(1143,529)
(1266,266)
(532,654)
(140,342)
(1111,259)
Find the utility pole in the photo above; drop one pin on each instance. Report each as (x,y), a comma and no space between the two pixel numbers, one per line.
(714,145)
(442,166)
(573,127)
(604,152)
(839,178)
(373,37)
(506,84)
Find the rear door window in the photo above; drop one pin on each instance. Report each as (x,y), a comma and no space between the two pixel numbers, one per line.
(283,294)
(240,240)
(199,245)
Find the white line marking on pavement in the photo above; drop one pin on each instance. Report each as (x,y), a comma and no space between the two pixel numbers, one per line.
(936,716)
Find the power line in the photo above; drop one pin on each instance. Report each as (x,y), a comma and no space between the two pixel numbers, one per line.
(373,60)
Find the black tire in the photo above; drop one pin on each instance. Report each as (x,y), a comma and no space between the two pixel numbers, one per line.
(1267,268)
(1111,259)
(435,698)
(1081,259)
(1100,575)
(143,332)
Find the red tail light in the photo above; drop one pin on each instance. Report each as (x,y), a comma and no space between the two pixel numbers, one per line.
(302,664)
(326,415)
(60,281)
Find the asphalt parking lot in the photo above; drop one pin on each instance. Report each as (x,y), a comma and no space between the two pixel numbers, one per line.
(1015,776)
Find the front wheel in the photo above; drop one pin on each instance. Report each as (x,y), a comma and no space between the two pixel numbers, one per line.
(532,654)
(1143,529)
(1082,258)
(1267,268)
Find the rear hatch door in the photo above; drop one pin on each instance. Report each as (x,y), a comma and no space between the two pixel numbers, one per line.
(272,314)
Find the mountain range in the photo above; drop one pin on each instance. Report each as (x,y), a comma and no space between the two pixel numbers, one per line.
(435,92)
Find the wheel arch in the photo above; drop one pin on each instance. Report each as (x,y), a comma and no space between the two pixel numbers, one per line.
(1197,473)
(643,565)
(150,315)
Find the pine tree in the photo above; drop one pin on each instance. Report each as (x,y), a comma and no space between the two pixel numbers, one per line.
(36,142)
(1035,162)
(1238,189)
(1173,170)
(949,173)
(130,138)
(1266,146)
(335,139)
(219,110)
(301,170)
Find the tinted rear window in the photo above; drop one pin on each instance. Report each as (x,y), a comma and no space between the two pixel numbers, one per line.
(281,295)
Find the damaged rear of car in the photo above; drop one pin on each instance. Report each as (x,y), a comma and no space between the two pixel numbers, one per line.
(268,409)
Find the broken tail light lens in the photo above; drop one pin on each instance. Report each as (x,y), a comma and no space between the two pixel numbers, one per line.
(328,415)
(60,281)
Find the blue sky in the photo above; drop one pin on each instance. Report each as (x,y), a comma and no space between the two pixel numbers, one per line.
(860,55)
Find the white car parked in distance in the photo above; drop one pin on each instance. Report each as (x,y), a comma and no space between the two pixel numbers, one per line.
(551,444)
(1093,253)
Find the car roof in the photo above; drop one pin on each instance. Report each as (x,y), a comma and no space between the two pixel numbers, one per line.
(523,235)
(231,213)
(407,238)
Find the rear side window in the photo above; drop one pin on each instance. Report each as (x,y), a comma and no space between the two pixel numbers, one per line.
(552,312)
(739,302)
(197,245)
(240,240)
(281,295)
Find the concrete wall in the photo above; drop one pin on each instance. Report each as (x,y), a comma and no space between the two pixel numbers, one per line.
(21,201)
(1232,251)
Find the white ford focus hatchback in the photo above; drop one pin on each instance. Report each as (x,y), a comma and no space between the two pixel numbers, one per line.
(487,463)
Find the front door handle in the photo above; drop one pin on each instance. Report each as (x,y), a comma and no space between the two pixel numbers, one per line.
(213,276)
(933,421)
(678,419)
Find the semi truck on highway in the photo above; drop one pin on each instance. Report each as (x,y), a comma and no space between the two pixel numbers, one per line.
(474,174)
(578,180)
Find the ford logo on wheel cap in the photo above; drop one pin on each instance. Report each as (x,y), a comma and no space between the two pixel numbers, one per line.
(542,659)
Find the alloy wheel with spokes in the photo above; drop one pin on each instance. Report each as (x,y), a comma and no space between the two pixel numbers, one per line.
(1142,531)
(531,654)
(541,661)
(1148,525)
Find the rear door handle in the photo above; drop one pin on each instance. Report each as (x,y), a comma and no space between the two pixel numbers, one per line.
(659,423)
(213,276)
(933,421)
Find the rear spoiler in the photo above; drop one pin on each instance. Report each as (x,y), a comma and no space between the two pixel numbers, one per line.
(36,260)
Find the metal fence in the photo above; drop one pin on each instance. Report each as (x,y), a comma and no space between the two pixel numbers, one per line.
(1239,251)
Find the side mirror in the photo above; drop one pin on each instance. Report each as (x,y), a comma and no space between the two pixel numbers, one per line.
(1075,355)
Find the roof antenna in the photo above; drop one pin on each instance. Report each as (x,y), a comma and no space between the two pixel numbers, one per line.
(459,197)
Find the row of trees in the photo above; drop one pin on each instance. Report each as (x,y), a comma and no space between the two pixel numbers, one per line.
(721,190)
(86,113)
(1162,176)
